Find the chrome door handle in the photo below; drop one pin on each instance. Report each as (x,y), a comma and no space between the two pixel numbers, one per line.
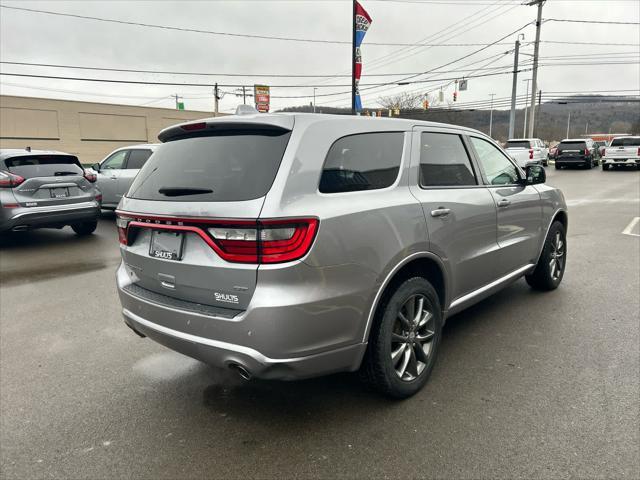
(440,212)
(504,203)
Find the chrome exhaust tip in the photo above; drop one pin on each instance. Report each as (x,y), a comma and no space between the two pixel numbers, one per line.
(240,370)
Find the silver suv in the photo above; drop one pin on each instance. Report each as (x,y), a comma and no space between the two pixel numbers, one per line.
(287,246)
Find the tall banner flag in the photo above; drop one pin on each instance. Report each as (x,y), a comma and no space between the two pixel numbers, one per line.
(362,22)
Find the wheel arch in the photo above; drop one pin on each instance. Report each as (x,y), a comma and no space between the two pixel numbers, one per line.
(424,264)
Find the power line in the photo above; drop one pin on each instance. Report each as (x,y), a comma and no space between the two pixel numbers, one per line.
(588,21)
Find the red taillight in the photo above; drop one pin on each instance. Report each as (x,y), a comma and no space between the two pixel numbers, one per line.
(122,223)
(586,151)
(604,150)
(90,177)
(99,197)
(237,241)
(639,151)
(531,154)
(10,180)
(189,127)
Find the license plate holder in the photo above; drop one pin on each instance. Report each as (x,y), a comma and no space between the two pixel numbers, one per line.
(59,192)
(166,245)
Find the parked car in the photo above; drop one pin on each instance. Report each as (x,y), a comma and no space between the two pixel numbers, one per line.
(46,189)
(527,151)
(600,145)
(580,151)
(287,246)
(623,152)
(117,171)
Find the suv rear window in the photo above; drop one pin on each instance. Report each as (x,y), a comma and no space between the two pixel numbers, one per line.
(626,142)
(518,144)
(228,166)
(32,166)
(365,161)
(572,145)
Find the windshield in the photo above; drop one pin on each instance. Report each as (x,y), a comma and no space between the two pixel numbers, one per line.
(32,166)
(225,167)
(626,142)
(518,144)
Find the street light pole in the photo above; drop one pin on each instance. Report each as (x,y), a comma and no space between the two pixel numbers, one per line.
(524,127)
(568,124)
(491,114)
(314,99)
(536,51)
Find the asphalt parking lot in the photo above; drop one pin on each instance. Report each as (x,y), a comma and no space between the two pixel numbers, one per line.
(527,385)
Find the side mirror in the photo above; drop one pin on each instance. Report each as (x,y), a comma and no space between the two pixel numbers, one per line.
(535,175)
(96,167)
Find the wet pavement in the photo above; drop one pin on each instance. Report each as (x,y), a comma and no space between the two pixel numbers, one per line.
(527,384)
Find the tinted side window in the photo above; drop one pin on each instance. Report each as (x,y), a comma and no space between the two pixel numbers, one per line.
(444,161)
(497,168)
(137,159)
(115,161)
(366,161)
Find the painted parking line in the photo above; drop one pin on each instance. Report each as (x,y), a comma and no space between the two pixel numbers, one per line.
(632,225)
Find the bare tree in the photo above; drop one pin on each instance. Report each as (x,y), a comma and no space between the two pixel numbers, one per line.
(403,101)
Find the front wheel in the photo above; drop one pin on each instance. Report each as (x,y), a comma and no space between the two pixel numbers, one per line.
(85,228)
(404,340)
(552,262)
(605,166)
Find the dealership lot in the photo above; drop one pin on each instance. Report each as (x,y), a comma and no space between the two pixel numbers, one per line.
(526,385)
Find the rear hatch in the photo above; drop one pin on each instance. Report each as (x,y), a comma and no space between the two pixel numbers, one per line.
(189,223)
(48,179)
(571,149)
(623,148)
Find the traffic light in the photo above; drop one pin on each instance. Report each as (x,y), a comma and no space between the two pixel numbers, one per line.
(455,96)
(425,104)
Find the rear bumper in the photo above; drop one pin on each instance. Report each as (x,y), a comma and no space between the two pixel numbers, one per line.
(620,161)
(577,160)
(283,335)
(50,216)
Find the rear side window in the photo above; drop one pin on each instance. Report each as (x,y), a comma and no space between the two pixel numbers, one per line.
(32,166)
(444,161)
(228,166)
(572,145)
(518,144)
(137,159)
(626,142)
(366,161)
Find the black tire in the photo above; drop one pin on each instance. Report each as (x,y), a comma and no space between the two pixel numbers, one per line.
(85,228)
(605,166)
(378,369)
(545,277)
(589,165)
(545,163)
(558,167)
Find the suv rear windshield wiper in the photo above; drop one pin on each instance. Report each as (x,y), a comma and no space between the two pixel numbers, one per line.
(181,191)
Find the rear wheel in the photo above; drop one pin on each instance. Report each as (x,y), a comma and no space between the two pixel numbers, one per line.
(404,340)
(85,228)
(589,165)
(551,264)
(605,166)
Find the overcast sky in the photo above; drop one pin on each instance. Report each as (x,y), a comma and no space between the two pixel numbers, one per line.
(39,38)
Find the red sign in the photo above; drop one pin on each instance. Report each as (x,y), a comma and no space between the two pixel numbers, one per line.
(262,97)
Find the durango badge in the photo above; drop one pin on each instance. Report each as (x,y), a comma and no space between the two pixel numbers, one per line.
(225,297)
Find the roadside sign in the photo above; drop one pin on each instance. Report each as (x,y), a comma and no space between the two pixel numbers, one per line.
(262,97)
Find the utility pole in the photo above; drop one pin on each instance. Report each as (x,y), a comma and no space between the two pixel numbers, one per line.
(491,114)
(314,99)
(514,88)
(536,51)
(568,124)
(216,97)
(524,127)
(244,95)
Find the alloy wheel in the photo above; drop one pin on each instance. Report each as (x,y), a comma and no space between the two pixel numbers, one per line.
(412,338)
(556,263)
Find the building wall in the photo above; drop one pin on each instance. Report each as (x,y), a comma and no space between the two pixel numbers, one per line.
(88,130)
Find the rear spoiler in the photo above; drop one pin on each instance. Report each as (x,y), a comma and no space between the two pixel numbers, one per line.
(211,126)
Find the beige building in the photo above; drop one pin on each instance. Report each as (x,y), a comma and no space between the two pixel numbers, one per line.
(88,130)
